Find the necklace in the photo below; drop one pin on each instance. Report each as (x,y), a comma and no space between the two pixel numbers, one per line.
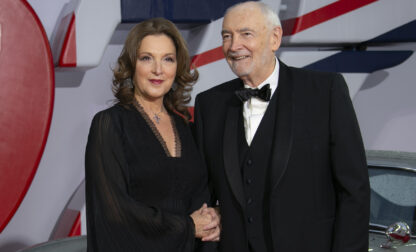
(156,115)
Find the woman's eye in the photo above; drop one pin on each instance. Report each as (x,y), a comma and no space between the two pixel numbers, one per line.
(144,58)
(170,59)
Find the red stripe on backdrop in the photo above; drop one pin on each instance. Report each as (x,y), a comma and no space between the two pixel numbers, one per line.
(293,26)
(318,16)
(68,57)
(207,57)
(76,227)
(191,111)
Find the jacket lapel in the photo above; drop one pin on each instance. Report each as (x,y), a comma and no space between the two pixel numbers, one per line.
(230,147)
(283,132)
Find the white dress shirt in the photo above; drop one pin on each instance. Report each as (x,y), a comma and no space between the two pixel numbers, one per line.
(254,108)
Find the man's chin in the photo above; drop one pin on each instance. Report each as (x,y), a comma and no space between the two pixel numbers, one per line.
(240,73)
(239,70)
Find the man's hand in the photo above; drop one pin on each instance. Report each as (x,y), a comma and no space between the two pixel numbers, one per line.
(207,223)
(213,228)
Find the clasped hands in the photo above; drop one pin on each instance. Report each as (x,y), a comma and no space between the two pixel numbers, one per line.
(207,223)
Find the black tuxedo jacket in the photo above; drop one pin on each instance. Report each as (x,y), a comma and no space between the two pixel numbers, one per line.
(318,199)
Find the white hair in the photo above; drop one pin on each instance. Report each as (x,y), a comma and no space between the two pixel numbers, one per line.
(272,20)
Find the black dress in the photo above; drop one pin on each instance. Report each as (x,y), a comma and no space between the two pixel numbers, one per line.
(138,197)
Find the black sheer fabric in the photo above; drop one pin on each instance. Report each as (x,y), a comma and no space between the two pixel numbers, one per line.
(137,197)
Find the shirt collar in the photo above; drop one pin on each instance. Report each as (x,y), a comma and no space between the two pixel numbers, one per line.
(272,79)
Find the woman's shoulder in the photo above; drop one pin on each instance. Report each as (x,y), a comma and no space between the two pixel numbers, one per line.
(110,116)
(116,110)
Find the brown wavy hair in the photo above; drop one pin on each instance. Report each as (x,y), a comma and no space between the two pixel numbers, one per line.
(179,95)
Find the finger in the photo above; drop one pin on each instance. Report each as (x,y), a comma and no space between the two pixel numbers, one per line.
(211,225)
(212,212)
(214,222)
(206,211)
(214,215)
(213,236)
(203,208)
(207,219)
(215,212)
(217,239)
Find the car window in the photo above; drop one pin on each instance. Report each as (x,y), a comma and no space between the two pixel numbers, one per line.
(393,196)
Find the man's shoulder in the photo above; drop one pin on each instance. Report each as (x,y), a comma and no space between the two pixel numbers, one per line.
(309,81)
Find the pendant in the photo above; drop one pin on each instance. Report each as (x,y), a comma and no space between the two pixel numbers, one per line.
(156,118)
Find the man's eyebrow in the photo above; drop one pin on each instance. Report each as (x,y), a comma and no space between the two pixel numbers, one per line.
(224,31)
(244,29)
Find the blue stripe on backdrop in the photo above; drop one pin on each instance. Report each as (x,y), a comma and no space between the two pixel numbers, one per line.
(360,62)
(178,11)
(404,33)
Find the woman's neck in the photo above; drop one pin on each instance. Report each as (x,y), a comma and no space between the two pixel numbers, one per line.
(154,105)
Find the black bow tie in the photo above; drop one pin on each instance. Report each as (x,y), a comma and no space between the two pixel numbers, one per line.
(246,93)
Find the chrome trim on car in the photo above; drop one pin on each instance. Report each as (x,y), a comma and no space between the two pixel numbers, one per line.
(384,166)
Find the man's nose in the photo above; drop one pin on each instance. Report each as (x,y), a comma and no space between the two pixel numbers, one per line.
(235,43)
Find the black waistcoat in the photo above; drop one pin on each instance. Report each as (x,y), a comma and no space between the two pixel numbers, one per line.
(254,163)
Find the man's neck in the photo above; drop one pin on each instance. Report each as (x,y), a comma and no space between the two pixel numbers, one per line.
(255,82)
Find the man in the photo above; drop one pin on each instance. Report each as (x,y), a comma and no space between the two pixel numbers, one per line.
(288,169)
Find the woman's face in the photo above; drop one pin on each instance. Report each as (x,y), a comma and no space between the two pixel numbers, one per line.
(155,67)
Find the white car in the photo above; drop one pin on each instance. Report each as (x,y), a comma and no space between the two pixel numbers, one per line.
(393,201)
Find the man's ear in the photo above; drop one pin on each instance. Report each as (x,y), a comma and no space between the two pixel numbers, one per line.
(276,38)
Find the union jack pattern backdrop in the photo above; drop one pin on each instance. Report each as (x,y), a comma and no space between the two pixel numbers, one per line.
(55,74)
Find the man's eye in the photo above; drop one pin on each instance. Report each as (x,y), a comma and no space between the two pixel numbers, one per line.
(225,36)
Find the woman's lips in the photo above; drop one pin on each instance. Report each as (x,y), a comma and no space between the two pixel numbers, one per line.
(155,81)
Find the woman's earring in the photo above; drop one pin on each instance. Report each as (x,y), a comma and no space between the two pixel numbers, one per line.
(128,83)
(174,86)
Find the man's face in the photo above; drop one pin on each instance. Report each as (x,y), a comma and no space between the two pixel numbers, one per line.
(249,44)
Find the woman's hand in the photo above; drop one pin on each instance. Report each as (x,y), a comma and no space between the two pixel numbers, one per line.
(207,223)
(214,228)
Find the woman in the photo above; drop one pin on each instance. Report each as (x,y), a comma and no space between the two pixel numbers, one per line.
(145,181)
